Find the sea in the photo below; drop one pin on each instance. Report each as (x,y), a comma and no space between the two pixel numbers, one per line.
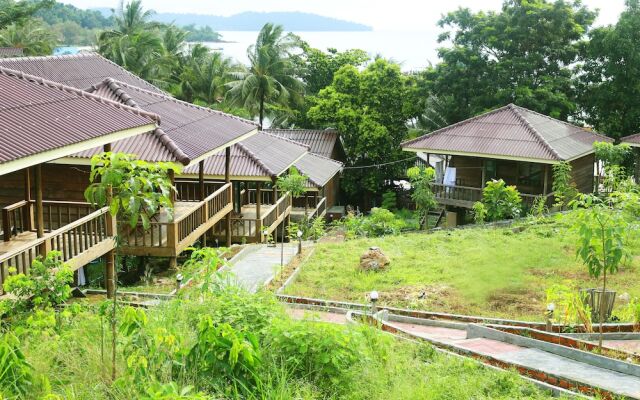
(412,50)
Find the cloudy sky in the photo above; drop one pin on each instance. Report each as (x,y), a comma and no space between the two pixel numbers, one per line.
(383,15)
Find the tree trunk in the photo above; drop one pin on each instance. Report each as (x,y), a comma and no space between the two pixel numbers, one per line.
(261,111)
(602,310)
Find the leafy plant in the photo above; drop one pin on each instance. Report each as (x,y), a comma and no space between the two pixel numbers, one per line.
(293,182)
(601,247)
(379,223)
(501,201)
(47,285)
(389,200)
(479,212)
(312,229)
(563,187)
(539,207)
(421,180)
(614,154)
(570,306)
(16,374)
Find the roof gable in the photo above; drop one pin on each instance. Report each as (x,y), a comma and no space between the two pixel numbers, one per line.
(78,70)
(38,116)
(320,141)
(510,132)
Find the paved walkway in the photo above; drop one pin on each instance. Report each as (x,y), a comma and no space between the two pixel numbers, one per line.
(259,263)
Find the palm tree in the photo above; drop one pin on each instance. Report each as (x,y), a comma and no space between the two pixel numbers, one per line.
(270,79)
(32,37)
(205,76)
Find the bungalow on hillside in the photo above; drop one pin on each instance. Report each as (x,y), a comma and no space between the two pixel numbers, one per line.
(511,143)
(324,143)
(43,121)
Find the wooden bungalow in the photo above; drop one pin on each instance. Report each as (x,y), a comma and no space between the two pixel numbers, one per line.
(324,143)
(256,163)
(322,186)
(186,134)
(634,142)
(511,143)
(43,121)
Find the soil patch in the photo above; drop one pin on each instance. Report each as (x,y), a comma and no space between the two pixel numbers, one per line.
(521,301)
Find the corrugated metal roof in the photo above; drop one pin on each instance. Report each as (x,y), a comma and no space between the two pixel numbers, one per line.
(186,131)
(261,155)
(78,70)
(318,169)
(37,115)
(320,142)
(632,139)
(510,132)
(11,52)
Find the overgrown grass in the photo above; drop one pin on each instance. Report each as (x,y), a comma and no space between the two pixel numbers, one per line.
(501,272)
(299,359)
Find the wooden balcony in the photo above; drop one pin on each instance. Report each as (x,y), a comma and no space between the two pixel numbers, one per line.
(80,241)
(465,196)
(248,227)
(169,236)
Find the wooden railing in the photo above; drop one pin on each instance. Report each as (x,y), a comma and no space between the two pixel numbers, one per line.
(18,217)
(170,234)
(306,201)
(253,228)
(71,241)
(320,209)
(190,190)
(453,194)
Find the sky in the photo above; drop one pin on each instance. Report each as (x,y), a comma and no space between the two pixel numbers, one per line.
(382,15)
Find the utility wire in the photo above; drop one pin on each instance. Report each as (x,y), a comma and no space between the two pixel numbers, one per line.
(381,165)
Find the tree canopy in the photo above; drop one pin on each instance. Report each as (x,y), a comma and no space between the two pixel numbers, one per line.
(610,79)
(522,54)
(369,109)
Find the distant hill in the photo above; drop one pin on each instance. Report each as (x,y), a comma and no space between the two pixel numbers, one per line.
(253,21)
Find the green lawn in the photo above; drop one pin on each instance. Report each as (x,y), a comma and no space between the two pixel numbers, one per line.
(491,272)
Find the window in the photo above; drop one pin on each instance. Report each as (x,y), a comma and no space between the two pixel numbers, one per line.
(490,170)
(531,174)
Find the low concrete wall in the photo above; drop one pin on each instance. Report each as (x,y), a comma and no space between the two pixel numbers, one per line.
(479,331)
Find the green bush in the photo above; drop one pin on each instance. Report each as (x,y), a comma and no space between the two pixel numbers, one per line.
(15,372)
(479,212)
(380,222)
(389,200)
(501,201)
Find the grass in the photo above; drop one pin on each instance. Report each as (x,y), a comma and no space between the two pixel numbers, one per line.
(501,272)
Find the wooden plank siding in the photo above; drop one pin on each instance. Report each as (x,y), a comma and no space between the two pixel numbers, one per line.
(583,172)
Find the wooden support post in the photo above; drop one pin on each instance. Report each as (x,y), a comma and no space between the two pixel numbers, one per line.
(428,163)
(545,187)
(201,179)
(39,207)
(258,212)
(227,179)
(28,215)
(172,178)
(275,190)
(484,175)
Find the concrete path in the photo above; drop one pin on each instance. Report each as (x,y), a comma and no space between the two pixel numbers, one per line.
(258,264)
(614,382)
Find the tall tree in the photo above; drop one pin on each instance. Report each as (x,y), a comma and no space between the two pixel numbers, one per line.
(12,12)
(369,108)
(522,54)
(270,79)
(33,37)
(610,82)
(205,76)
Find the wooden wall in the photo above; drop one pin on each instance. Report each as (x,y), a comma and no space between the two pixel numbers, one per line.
(468,170)
(331,191)
(59,182)
(582,170)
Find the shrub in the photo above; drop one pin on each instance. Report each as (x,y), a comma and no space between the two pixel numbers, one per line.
(379,223)
(15,372)
(479,212)
(501,201)
(47,284)
(389,200)
(323,353)
(312,229)
(563,186)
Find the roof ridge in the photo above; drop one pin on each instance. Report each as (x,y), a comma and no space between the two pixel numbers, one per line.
(287,139)
(171,98)
(563,122)
(255,159)
(446,128)
(55,85)
(632,136)
(159,133)
(531,129)
(325,158)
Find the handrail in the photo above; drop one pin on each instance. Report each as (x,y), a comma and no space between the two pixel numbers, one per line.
(200,203)
(456,186)
(15,206)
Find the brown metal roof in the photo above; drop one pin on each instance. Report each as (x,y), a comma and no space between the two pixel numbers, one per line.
(187,132)
(78,70)
(318,169)
(633,140)
(11,52)
(260,156)
(510,132)
(321,142)
(37,116)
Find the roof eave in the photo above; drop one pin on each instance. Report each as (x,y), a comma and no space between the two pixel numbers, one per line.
(481,155)
(65,151)
(220,148)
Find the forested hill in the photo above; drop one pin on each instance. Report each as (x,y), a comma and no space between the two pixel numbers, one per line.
(254,21)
